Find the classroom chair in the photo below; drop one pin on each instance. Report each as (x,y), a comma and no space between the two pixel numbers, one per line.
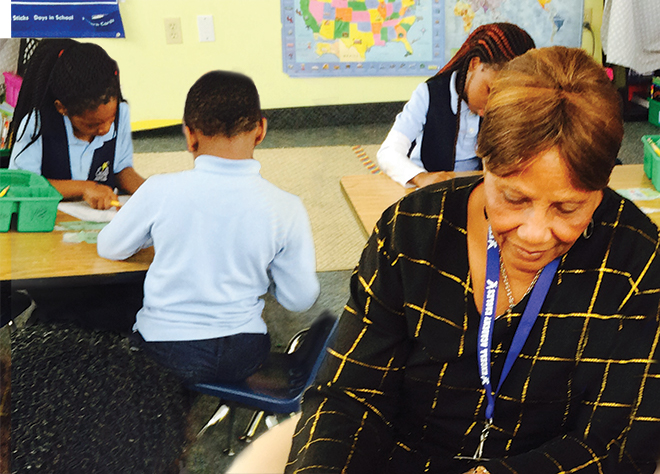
(278,386)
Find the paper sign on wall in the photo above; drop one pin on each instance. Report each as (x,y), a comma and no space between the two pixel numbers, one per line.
(66,19)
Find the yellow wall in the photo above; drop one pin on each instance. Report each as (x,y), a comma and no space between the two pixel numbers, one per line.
(156,76)
(588,42)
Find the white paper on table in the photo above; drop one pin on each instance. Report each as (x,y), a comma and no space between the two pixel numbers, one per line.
(639,194)
(649,210)
(81,210)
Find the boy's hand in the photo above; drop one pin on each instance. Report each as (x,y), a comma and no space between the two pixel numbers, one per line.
(98,196)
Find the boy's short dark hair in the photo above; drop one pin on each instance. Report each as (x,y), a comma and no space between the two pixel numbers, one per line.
(222,103)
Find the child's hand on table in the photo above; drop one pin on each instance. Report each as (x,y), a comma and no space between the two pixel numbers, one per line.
(427,178)
(99,196)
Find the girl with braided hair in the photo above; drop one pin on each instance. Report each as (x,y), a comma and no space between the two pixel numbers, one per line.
(72,125)
(436,133)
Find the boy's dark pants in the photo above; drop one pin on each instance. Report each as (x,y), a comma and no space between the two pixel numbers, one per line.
(222,359)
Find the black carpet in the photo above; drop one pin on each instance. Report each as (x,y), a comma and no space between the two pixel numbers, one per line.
(82,402)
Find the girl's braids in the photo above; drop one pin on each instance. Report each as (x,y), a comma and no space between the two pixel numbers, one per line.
(80,75)
(494,44)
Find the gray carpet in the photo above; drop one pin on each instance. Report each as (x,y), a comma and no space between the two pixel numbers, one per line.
(632,148)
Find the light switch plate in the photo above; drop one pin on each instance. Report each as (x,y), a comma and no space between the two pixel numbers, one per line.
(205,28)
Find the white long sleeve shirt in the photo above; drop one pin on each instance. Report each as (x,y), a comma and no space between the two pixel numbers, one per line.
(223,236)
(409,125)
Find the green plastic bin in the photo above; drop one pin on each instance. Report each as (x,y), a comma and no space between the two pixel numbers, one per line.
(31,197)
(651,158)
(654,112)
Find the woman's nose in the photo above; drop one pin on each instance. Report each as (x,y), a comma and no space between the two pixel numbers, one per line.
(536,228)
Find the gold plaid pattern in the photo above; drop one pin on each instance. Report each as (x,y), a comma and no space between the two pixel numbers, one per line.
(400,392)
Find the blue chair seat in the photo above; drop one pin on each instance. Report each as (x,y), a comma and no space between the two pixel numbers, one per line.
(278,386)
(270,389)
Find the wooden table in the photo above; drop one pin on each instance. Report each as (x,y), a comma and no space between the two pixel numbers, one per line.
(370,194)
(31,260)
(41,255)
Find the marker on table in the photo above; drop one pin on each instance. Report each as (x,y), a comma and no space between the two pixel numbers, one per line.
(4,191)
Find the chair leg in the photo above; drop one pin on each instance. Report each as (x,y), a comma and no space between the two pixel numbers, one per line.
(251,428)
(219,415)
(229,451)
(271,420)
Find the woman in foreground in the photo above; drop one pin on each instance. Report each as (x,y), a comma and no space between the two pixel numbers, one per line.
(504,323)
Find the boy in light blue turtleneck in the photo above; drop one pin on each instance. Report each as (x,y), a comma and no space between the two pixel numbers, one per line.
(223,237)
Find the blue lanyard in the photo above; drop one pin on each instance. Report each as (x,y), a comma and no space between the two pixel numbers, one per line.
(529,316)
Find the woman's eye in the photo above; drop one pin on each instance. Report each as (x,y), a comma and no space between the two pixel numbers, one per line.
(514,199)
(567,209)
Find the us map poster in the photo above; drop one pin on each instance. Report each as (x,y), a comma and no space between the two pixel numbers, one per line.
(361,37)
(323,38)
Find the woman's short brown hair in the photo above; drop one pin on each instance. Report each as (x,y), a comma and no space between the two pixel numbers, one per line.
(553,98)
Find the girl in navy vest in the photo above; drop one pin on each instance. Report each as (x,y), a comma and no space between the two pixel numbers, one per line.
(72,125)
(436,133)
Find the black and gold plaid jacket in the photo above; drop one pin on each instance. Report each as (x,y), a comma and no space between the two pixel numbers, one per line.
(399,390)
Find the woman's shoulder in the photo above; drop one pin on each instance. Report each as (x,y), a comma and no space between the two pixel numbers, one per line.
(457,188)
(446,200)
(427,218)
(622,238)
(619,212)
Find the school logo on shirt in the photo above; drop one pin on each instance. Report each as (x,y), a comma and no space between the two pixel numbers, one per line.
(102,172)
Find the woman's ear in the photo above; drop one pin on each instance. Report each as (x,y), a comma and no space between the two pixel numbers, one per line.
(192,142)
(60,107)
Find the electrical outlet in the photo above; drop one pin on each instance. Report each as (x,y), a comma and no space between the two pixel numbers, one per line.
(173,30)
(588,15)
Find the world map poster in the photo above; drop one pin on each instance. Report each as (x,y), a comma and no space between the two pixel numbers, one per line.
(322,38)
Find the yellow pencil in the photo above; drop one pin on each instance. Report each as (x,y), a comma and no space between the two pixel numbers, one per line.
(115,203)
(4,191)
